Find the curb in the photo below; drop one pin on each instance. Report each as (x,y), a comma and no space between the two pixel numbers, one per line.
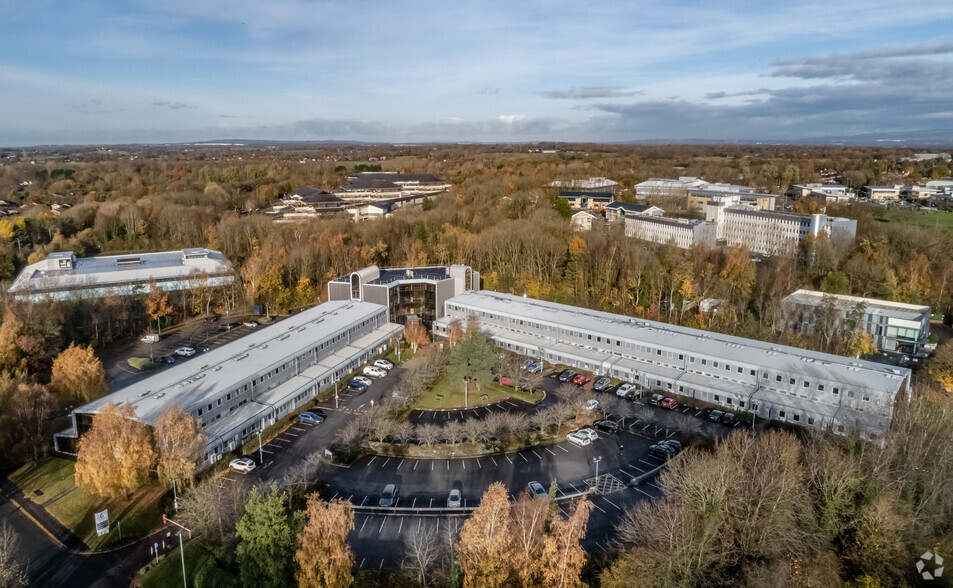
(36,522)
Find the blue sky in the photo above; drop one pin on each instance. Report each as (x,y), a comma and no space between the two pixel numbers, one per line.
(190,70)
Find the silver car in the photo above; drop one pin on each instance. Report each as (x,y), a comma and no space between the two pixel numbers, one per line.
(388,496)
(454,500)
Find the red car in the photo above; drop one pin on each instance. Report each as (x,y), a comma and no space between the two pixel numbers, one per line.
(504,381)
(668,403)
(580,379)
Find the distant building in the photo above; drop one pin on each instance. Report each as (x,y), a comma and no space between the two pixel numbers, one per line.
(63,276)
(895,326)
(774,233)
(829,193)
(621,210)
(598,184)
(666,187)
(389,185)
(684,232)
(883,193)
(582,220)
(928,157)
(698,199)
(587,200)
(307,202)
(413,291)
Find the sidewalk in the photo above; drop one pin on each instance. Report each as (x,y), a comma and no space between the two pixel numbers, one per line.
(60,535)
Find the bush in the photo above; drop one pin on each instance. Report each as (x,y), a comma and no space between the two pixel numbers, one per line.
(143,364)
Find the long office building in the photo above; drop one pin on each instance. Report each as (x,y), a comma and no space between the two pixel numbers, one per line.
(773,233)
(686,233)
(63,276)
(815,390)
(242,387)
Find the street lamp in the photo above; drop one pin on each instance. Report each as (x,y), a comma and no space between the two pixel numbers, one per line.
(175,496)
(182,553)
(466,383)
(261,454)
(597,460)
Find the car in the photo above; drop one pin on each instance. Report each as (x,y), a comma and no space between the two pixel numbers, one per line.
(668,403)
(388,496)
(224,328)
(383,364)
(310,418)
(150,338)
(579,379)
(592,405)
(715,416)
(242,465)
(356,386)
(567,375)
(656,399)
(601,384)
(363,380)
(527,364)
(633,394)
(577,439)
(185,352)
(535,367)
(662,451)
(454,500)
(536,490)
(729,419)
(506,381)
(250,324)
(588,433)
(607,426)
(167,359)
(374,372)
(623,389)
(676,445)
(211,318)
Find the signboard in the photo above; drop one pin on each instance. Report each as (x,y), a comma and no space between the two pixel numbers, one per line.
(102,522)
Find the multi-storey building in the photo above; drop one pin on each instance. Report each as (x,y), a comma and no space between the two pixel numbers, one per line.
(582,220)
(884,193)
(389,185)
(773,233)
(684,232)
(242,387)
(895,326)
(63,276)
(414,291)
(797,386)
(621,210)
(665,187)
(597,184)
(698,200)
(836,191)
(587,200)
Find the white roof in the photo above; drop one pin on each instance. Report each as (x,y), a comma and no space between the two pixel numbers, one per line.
(207,375)
(874,305)
(118,269)
(811,364)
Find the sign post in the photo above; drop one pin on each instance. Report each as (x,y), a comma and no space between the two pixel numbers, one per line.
(102,522)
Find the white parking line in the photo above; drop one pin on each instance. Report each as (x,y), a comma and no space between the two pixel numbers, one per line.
(654,485)
(401,525)
(699,412)
(266,451)
(335,496)
(448,464)
(372,461)
(227,478)
(299,429)
(363,501)
(574,488)
(494,462)
(599,507)
(523,456)
(431,465)
(464,463)
(650,464)
(537,455)
(612,503)
(632,467)
(414,503)
(563,448)
(479,464)
(362,563)
(432,416)
(384,520)
(385,462)
(643,492)
(549,450)
(400,464)
(508,459)
(362,530)
(415,464)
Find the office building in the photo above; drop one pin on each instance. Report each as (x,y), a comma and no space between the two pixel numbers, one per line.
(895,326)
(805,388)
(414,291)
(598,184)
(63,276)
(686,233)
(663,187)
(243,387)
(587,200)
(621,210)
(368,186)
(773,233)
(698,200)
(884,193)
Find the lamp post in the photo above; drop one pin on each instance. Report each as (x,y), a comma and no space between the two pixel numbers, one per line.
(175,496)
(182,553)
(597,460)
(261,454)
(466,383)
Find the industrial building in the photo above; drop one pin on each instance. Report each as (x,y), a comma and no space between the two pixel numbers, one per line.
(419,292)
(768,381)
(243,387)
(63,276)
(895,326)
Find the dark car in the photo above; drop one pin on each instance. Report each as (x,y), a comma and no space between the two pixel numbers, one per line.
(607,426)
(632,394)
(167,359)
(601,384)
(715,416)
(356,386)
(662,451)
(566,376)
(676,445)
(729,419)
(656,399)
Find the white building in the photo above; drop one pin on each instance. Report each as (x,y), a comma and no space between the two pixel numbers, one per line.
(686,233)
(773,233)
(621,210)
(836,191)
(815,390)
(895,326)
(245,386)
(389,185)
(884,193)
(63,276)
(595,184)
(582,220)
(667,187)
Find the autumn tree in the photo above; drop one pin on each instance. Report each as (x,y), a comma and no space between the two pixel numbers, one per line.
(529,522)
(116,454)
(486,541)
(423,550)
(268,533)
(562,556)
(180,443)
(211,509)
(324,558)
(415,333)
(941,366)
(157,304)
(25,411)
(454,333)
(78,375)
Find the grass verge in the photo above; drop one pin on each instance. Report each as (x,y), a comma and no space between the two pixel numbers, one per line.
(447,393)
(168,572)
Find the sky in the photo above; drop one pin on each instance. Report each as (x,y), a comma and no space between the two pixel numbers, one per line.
(107,72)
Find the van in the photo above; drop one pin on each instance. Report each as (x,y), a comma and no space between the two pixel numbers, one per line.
(150,338)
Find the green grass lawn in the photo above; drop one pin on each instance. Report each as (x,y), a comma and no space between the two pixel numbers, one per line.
(168,572)
(938,219)
(50,483)
(449,394)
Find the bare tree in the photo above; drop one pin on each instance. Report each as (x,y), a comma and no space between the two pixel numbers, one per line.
(403,432)
(302,475)
(212,508)
(429,434)
(568,391)
(423,551)
(475,430)
(453,432)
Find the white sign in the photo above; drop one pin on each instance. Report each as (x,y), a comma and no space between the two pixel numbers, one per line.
(102,522)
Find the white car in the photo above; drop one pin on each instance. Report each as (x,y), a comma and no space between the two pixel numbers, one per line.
(363,380)
(251,324)
(454,500)
(383,364)
(185,352)
(374,371)
(242,464)
(592,405)
(577,439)
(588,433)
(621,390)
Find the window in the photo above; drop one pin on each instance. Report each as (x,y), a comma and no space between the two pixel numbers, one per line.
(840,428)
(741,403)
(807,384)
(717,398)
(866,398)
(810,421)
(752,373)
(704,362)
(691,359)
(792,381)
(778,378)
(850,393)
(714,364)
(781,414)
(727,368)
(658,352)
(680,357)
(820,387)
(797,418)
(200,412)
(836,390)
(740,370)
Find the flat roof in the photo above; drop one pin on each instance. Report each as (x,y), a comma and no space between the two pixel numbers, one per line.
(207,375)
(107,269)
(663,220)
(856,372)
(874,305)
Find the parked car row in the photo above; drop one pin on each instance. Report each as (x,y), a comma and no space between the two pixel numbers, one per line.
(727,418)
(663,401)
(666,449)
(532,366)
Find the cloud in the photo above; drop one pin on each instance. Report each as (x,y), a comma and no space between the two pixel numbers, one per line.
(92,106)
(589,92)
(488,91)
(720,95)
(172,105)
